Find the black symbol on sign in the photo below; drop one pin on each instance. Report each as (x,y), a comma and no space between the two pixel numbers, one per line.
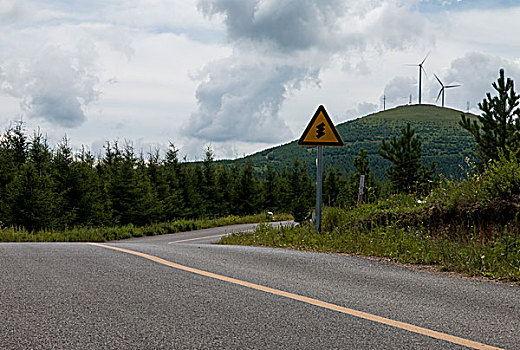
(320,130)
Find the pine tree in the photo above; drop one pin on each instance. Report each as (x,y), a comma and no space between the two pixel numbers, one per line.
(13,154)
(120,179)
(208,189)
(301,192)
(145,207)
(498,127)
(30,197)
(173,203)
(159,185)
(270,190)
(407,173)
(194,180)
(247,190)
(89,191)
(65,183)
(224,191)
(331,187)
(236,200)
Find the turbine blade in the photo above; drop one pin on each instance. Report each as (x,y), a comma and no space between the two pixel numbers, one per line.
(452,86)
(428,54)
(424,70)
(436,77)
(439,95)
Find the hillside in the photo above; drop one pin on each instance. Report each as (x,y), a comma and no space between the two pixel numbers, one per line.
(444,141)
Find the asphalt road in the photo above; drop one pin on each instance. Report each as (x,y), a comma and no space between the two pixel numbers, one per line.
(206,296)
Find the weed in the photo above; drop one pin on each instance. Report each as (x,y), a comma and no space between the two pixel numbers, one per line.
(103,234)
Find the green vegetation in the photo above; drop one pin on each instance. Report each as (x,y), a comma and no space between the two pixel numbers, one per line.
(466,219)
(469,225)
(55,190)
(103,234)
(498,128)
(444,142)
(407,173)
(472,227)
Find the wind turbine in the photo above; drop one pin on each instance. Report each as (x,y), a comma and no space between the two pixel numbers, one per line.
(421,69)
(441,91)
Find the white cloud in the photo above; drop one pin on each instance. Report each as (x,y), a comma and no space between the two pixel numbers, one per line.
(475,72)
(362,109)
(54,86)
(279,47)
(12,10)
(398,90)
(123,69)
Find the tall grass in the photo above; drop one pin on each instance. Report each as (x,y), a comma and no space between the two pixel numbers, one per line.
(472,226)
(498,259)
(103,234)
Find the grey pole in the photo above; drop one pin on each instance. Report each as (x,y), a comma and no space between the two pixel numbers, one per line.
(420,75)
(319,186)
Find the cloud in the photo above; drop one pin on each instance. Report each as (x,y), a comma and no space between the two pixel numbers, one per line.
(280,46)
(11,10)
(399,89)
(362,109)
(331,25)
(54,86)
(239,101)
(475,72)
(287,24)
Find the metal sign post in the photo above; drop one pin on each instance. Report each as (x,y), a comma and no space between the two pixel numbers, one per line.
(319,186)
(361,187)
(320,132)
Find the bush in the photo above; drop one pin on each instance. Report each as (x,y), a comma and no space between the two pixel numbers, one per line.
(502,178)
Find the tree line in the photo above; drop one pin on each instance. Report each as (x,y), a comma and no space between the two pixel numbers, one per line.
(57,188)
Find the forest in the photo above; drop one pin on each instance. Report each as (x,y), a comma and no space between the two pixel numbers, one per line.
(56,188)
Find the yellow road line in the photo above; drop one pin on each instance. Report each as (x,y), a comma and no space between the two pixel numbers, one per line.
(198,238)
(360,314)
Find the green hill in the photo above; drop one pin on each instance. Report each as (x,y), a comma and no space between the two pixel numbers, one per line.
(443,140)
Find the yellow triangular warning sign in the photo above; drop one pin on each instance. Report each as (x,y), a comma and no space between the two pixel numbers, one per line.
(320,131)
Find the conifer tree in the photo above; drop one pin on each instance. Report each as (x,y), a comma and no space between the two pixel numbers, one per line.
(194,180)
(65,183)
(145,207)
(301,192)
(407,173)
(224,191)
(13,154)
(498,127)
(89,191)
(209,192)
(30,196)
(236,200)
(270,190)
(173,202)
(120,179)
(331,187)
(247,190)
(159,185)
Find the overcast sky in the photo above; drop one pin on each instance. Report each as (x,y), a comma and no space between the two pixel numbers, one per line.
(238,75)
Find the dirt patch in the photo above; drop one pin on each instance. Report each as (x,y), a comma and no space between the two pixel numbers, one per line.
(485,219)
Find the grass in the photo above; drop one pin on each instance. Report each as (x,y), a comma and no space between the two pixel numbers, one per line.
(104,234)
(471,226)
(498,259)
